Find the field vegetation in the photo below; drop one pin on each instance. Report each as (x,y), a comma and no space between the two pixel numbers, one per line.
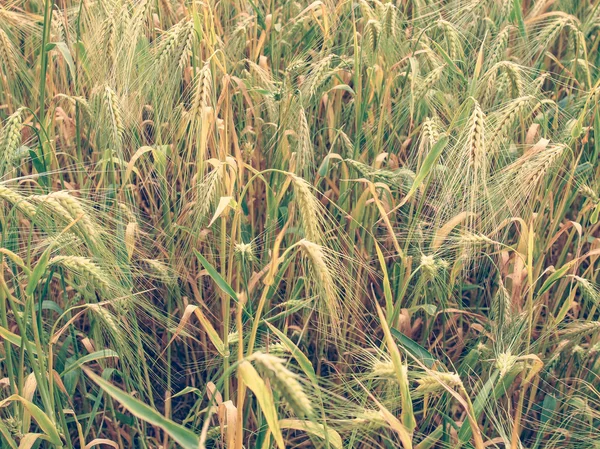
(282,223)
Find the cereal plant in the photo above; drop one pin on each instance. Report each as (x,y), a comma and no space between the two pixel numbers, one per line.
(285,223)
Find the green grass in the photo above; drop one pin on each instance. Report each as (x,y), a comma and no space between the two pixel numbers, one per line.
(282,224)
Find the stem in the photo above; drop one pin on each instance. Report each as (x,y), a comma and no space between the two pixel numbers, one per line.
(44,59)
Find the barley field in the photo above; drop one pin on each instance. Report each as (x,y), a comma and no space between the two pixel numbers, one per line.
(293,224)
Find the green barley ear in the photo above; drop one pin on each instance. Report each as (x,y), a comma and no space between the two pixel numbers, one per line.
(188,35)
(7,55)
(202,91)
(501,307)
(285,382)
(538,7)
(304,149)
(384,369)
(499,46)
(430,267)
(83,269)
(366,9)
(77,212)
(139,17)
(514,110)
(372,35)
(517,184)
(113,114)
(452,38)
(63,208)
(309,208)
(435,382)
(430,134)
(588,289)
(322,274)
(553,28)
(109,37)
(476,140)
(505,362)
(429,81)
(67,244)
(168,45)
(577,330)
(10,140)
(398,179)
(539,165)
(58,23)
(513,71)
(318,76)
(245,252)
(208,190)
(589,193)
(390,14)
(13,198)
(159,270)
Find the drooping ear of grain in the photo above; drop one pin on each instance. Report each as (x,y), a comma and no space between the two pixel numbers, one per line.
(476,140)
(84,267)
(321,272)
(10,140)
(434,382)
(7,55)
(396,201)
(285,382)
(18,201)
(202,91)
(114,115)
(309,209)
